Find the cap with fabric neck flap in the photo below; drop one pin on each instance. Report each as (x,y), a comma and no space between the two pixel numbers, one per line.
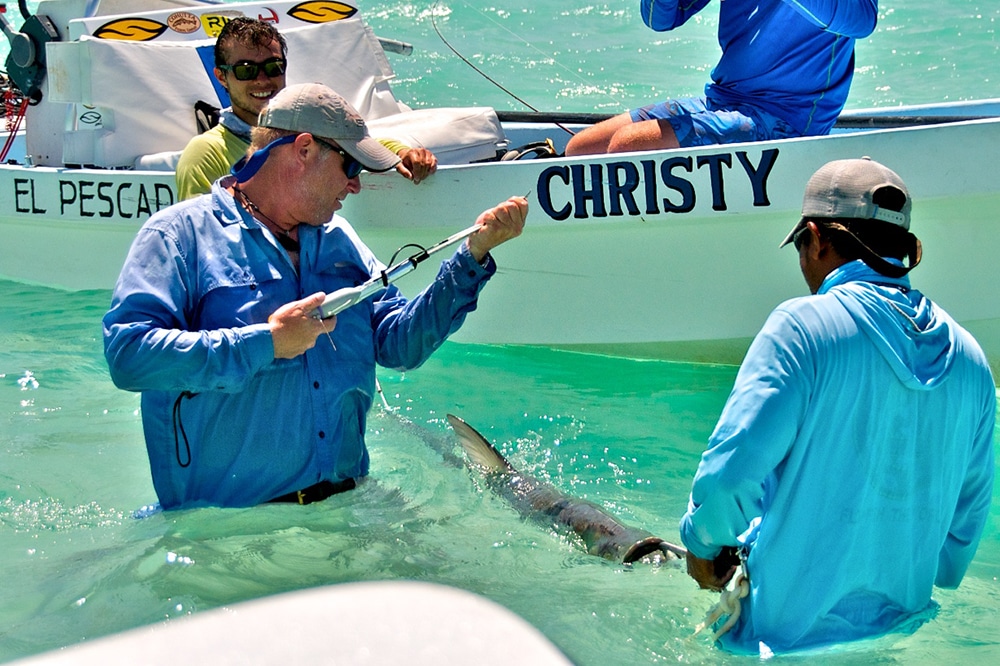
(845,189)
(318,110)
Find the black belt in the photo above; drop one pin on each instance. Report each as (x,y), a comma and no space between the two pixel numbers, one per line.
(317,492)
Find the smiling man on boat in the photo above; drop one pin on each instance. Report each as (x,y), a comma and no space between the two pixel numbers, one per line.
(247,397)
(853,463)
(251,59)
(785,71)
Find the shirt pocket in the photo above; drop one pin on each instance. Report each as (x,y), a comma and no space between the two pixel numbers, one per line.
(242,290)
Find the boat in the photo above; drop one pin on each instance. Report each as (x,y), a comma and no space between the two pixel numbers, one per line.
(665,254)
(381,622)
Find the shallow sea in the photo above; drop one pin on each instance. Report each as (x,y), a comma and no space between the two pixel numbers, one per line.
(624,433)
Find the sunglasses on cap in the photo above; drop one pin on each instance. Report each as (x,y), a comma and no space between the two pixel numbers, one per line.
(247,70)
(352,167)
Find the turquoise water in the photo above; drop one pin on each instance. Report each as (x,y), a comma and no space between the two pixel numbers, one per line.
(624,433)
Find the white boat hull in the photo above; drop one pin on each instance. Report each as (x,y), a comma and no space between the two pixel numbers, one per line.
(692,283)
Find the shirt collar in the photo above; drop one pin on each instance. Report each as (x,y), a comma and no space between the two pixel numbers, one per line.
(859,271)
(234,124)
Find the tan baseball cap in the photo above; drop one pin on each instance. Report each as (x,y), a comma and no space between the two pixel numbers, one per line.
(318,110)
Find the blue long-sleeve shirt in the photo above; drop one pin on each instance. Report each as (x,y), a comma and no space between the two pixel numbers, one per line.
(854,458)
(225,422)
(791,58)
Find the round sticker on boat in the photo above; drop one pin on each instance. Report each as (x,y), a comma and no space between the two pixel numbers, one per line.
(183,22)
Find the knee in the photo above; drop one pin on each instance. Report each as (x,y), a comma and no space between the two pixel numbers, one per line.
(583,143)
(594,139)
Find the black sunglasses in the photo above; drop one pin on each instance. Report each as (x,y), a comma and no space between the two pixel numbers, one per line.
(800,238)
(352,167)
(247,70)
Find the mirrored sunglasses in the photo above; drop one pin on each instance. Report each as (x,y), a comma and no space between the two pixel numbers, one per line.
(247,70)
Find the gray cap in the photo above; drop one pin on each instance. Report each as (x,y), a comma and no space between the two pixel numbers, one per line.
(844,189)
(318,110)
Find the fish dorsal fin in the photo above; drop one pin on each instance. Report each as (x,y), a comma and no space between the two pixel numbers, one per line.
(477,448)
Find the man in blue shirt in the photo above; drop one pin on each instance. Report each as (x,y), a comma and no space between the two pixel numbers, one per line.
(246,397)
(785,71)
(853,463)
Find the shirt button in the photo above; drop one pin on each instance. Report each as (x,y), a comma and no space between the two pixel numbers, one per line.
(322,435)
(315,384)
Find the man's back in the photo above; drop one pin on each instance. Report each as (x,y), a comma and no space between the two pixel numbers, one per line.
(887,480)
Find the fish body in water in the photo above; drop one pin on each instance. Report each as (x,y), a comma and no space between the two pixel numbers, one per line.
(601,532)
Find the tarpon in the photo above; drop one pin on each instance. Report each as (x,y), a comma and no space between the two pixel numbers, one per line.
(602,533)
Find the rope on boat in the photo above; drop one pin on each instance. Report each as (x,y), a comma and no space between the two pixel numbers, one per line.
(14,113)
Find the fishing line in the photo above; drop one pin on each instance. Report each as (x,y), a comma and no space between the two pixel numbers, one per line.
(469,63)
(547,56)
(484,74)
(378,386)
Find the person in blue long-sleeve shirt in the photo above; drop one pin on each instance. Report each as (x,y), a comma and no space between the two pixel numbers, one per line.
(785,71)
(244,398)
(853,462)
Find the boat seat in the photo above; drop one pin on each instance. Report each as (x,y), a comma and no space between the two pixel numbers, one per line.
(165,161)
(456,135)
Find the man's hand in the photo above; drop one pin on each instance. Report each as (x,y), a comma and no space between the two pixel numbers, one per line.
(498,225)
(293,329)
(416,164)
(712,574)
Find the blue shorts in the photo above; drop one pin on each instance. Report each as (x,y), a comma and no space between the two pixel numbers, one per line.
(697,124)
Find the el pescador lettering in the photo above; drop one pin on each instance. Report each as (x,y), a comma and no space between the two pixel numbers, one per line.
(127,200)
(645,187)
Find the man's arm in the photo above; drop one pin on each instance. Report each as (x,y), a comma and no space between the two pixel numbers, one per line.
(663,15)
(852,18)
(152,339)
(973,504)
(408,332)
(755,431)
(415,164)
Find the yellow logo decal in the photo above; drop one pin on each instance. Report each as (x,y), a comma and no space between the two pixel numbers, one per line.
(214,23)
(321,11)
(131,29)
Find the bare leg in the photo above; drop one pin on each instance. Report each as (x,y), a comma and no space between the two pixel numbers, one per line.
(644,135)
(595,139)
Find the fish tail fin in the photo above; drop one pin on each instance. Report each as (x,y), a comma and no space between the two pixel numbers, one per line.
(477,448)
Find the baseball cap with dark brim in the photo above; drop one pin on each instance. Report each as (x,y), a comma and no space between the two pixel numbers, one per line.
(844,189)
(318,110)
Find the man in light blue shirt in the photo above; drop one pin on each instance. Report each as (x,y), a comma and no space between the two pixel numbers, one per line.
(246,396)
(785,70)
(853,463)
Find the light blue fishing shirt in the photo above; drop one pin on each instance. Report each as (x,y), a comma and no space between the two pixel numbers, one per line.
(854,458)
(225,422)
(793,59)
